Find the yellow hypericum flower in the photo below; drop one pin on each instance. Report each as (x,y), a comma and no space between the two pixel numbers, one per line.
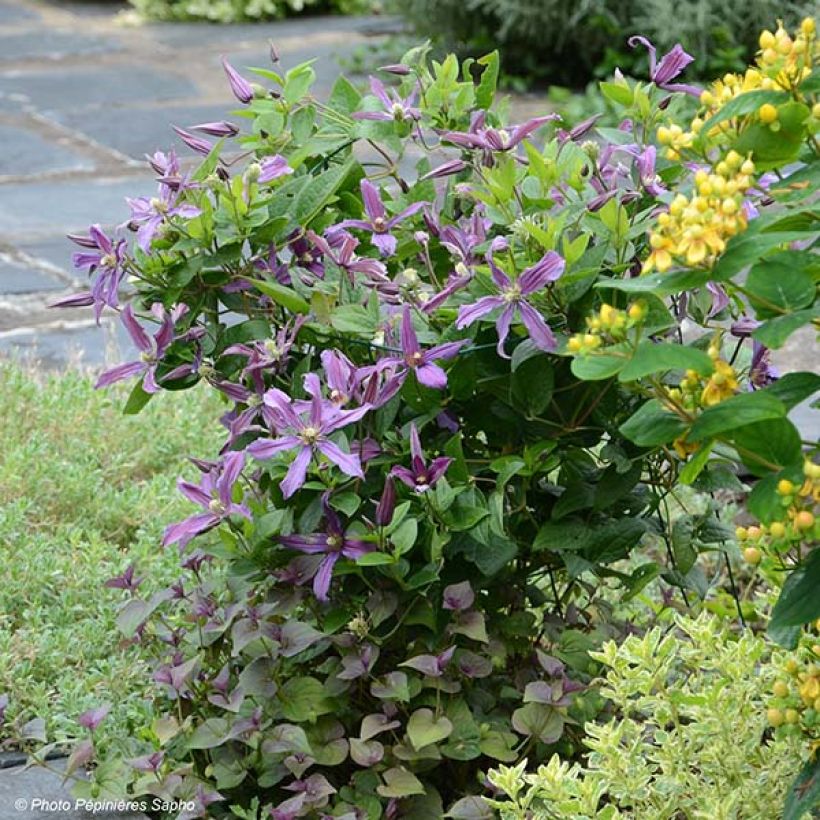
(722,384)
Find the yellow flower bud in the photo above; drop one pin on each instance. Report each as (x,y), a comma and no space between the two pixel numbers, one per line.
(777,529)
(766,39)
(748,168)
(574,345)
(664,137)
(807,26)
(792,716)
(769,56)
(741,533)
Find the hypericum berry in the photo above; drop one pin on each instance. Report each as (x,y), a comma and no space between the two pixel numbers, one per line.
(741,533)
(767,113)
(766,39)
(785,487)
(775,717)
(792,666)
(792,716)
(780,689)
(777,529)
(752,555)
(804,520)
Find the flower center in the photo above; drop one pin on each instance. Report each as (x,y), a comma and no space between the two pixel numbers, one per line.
(414,359)
(512,294)
(334,542)
(337,397)
(216,507)
(274,351)
(108,261)
(254,400)
(309,435)
(504,135)
(397,110)
(159,206)
(379,225)
(147,357)
(421,479)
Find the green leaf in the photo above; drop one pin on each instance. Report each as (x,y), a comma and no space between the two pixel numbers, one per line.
(423,728)
(297,82)
(460,518)
(474,808)
(775,332)
(137,399)
(804,792)
(485,91)
(775,440)
(619,93)
(779,283)
(314,196)
(799,602)
(772,147)
(303,699)
(750,247)
(499,746)
(736,411)
(744,104)
(695,465)
(353,319)
(655,358)
(793,388)
(532,385)
(286,297)
(565,535)
(209,734)
(641,577)
(344,96)
(685,554)
(539,721)
(601,364)
(399,782)
(652,425)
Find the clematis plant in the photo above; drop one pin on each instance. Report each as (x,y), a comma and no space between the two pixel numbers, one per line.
(395,573)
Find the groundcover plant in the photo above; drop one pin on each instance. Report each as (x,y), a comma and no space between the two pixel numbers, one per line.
(466,368)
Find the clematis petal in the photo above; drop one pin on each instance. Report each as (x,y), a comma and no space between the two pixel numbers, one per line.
(297,472)
(385,242)
(432,376)
(346,462)
(467,314)
(538,329)
(547,269)
(502,326)
(118,373)
(321,581)
(373,205)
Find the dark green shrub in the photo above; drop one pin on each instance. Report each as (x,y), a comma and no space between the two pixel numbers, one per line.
(234,11)
(569,41)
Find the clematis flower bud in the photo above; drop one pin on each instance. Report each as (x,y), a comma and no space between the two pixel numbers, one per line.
(240,87)
(387,503)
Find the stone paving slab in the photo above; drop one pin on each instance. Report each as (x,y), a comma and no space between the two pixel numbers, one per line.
(53,251)
(21,789)
(84,88)
(26,152)
(45,44)
(12,12)
(47,208)
(16,277)
(145,130)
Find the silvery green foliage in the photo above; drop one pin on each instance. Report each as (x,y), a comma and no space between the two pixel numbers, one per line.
(688,740)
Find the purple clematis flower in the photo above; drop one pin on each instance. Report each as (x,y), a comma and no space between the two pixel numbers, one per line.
(215,494)
(151,213)
(421,362)
(106,258)
(332,543)
(377,223)
(645,163)
(152,348)
(307,433)
(512,299)
(344,257)
(396,108)
(421,477)
(761,371)
(272,168)
(495,139)
(671,64)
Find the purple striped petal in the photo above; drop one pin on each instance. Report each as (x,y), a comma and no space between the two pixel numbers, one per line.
(438,467)
(446,351)
(373,205)
(409,340)
(118,373)
(321,581)
(234,462)
(343,418)
(135,330)
(385,242)
(353,548)
(467,314)
(149,380)
(195,493)
(408,211)
(405,476)
(183,531)
(547,269)
(310,544)
(264,449)
(346,462)
(539,330)
(240,87)
(502,327)
(297,472)
(432,376)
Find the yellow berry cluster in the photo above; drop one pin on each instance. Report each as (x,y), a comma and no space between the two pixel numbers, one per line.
(799,522)
(695,229)
(796,695)
(785,60)
(608,325)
